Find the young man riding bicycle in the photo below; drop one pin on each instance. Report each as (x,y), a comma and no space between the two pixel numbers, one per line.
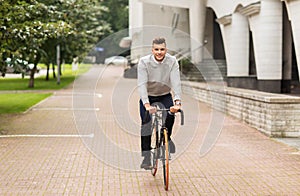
(158,74)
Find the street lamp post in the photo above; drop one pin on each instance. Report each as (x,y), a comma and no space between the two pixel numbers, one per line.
(58,63)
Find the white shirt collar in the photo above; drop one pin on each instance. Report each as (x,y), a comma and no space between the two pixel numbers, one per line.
(157,62)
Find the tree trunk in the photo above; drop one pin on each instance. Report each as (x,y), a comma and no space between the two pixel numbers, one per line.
(31,79)
(47,73)
(53,69)
(32,71)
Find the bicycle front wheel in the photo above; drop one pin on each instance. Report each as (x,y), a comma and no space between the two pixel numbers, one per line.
(154,151)
(166,160)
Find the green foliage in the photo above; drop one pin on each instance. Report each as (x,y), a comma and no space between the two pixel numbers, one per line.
(31,29)
(19,102)
(118,14)
(88,28)
(24,28)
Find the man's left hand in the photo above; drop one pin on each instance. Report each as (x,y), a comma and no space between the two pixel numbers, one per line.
(175,108)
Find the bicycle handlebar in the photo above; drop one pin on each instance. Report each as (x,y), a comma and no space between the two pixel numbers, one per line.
(182,117)
(164,109)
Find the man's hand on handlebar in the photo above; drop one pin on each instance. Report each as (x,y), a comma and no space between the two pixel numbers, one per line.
(150,108)
(175,108)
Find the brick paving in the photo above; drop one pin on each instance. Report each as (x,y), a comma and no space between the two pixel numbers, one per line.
(84,140)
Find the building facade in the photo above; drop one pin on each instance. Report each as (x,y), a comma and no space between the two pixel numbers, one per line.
(258,40)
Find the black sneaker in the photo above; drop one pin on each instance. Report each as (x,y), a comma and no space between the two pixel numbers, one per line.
(146,164)
(172,146)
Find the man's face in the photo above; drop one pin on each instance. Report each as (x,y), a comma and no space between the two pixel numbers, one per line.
(159,51)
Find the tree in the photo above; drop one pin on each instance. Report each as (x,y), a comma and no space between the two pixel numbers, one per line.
(24,29)
(117,15)
(31,29)
(88,28)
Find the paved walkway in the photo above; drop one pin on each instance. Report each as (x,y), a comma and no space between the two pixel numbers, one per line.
(85,141)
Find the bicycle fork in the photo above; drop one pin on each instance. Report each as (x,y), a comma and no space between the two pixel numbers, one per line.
(162,143)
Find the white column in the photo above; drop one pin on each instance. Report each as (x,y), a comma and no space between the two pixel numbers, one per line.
(267,40)
(238,49)
(226,31)
(136,18)
(197,26)
(294,15)
(135,15)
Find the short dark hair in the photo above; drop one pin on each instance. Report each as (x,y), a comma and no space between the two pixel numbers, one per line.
(159,40)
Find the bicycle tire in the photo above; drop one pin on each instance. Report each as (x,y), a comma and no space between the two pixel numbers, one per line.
(166,160)
(154,153)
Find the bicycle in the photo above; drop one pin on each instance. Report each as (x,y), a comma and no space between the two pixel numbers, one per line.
(160,143)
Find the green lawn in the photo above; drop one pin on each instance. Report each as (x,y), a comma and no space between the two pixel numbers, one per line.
(20,102)
(40,83)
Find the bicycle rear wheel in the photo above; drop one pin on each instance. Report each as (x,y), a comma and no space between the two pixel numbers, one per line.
(166,159)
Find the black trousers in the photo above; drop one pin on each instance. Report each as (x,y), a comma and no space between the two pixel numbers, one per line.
(167,102)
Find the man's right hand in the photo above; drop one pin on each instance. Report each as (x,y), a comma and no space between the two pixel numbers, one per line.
(150,108)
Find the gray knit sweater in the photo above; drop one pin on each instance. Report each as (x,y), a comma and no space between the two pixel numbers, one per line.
(158,78)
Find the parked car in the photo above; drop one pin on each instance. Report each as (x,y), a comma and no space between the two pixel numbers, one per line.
(116,60)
